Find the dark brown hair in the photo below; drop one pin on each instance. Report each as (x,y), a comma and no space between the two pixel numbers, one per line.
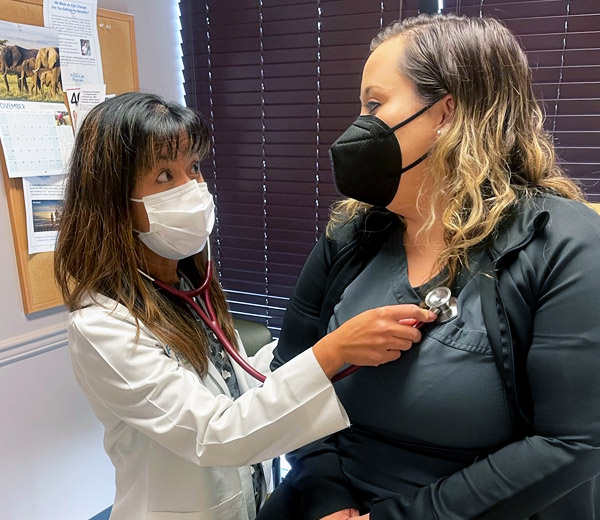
(97,251)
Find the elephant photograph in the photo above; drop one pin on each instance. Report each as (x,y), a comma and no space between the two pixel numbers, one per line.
(29,70)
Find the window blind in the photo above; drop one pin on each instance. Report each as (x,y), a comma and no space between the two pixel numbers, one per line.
(562,41)
(279,81)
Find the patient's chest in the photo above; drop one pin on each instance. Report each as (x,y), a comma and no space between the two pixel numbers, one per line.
(446,391)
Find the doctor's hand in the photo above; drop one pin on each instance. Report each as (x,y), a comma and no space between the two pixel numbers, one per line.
(344,514)
(373,337)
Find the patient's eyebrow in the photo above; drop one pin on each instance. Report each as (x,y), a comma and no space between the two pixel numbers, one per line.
(366,91)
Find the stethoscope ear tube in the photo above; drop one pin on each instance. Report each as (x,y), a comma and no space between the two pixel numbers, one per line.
(209,317)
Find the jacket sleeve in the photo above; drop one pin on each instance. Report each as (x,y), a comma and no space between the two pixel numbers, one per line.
(143,387)
(316,469)
(300,328)
(562,367)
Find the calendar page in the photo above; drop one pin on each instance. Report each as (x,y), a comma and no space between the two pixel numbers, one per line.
(36,139)
(35,126)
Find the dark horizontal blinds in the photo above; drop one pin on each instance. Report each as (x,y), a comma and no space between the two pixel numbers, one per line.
(562,41)
(280,81)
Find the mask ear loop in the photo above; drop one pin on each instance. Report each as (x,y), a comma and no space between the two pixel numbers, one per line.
(405,122)
(418,161)
(411,118)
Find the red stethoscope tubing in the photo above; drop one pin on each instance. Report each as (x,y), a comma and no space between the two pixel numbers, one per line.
(210,319)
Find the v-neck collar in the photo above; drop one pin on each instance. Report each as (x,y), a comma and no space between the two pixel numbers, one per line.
(398,265)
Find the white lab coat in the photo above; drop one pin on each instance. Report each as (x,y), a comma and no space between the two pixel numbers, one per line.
(180,445)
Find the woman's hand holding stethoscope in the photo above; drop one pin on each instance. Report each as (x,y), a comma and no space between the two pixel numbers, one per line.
(439,301)
(372,338)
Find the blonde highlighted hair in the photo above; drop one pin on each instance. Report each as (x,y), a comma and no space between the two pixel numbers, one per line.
(495,150)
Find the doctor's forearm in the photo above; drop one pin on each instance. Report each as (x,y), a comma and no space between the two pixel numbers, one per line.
(328,357)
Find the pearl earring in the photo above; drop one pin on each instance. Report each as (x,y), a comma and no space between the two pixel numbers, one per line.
(439,132)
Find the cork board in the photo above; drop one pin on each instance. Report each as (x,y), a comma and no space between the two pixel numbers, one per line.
(119,63)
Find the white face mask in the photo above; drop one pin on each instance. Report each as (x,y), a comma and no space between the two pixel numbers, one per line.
(181,219)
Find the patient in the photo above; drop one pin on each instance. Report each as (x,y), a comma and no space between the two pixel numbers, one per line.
(452,181)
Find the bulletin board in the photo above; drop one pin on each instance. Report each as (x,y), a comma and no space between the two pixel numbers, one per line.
(119,64)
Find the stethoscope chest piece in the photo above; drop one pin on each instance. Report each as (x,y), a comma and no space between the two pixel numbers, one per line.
(441,301)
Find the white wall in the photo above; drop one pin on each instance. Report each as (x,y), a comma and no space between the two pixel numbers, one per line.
(157,41)
(53,463)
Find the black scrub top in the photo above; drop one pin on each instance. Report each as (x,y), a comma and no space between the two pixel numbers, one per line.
(434,411)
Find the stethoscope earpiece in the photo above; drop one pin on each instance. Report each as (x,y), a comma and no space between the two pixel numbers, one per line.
(441,301)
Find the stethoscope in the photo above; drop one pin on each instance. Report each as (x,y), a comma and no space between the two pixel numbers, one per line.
(438,300)
(210,316)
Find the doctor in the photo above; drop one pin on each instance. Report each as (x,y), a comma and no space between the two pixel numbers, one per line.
(186,429)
